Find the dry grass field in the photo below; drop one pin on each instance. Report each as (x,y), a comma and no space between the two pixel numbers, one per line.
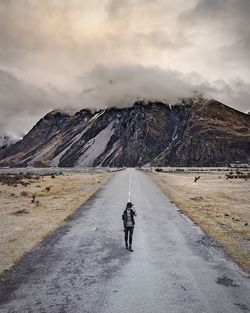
(220,206)
(34,206)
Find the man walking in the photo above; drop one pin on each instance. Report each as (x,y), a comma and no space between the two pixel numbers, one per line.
(128,218)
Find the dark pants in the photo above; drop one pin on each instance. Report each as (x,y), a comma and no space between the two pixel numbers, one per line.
(129,230)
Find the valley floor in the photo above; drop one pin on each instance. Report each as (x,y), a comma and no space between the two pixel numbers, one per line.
(83,266)
(28,213)
(220,206)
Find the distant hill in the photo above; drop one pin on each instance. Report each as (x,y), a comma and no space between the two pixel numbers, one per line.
(190,133)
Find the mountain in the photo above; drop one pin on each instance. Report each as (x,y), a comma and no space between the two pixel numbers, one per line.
(190,133)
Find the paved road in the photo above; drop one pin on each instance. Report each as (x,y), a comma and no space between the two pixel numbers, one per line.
(84,267)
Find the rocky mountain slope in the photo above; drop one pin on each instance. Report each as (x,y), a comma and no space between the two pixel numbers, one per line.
(190,133)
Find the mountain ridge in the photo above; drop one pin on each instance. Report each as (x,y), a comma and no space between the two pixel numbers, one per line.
(194,132)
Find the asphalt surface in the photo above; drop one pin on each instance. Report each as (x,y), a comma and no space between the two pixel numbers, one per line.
(84,267)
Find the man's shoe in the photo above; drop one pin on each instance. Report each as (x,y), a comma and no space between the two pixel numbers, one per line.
(130,249)
(126,246)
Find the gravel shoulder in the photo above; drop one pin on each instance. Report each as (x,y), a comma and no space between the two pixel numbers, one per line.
(220,206)
(32,209)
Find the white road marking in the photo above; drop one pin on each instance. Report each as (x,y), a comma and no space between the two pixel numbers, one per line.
(129,188)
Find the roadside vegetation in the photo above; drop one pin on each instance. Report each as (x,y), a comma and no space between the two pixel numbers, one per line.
(34,205)
(218,202)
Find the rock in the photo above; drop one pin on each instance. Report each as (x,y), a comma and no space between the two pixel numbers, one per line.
(196,178)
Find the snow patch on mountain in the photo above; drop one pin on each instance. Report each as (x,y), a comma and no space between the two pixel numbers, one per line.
(41,153)
(56,159)
(175,135)
(96,146)
(114,148)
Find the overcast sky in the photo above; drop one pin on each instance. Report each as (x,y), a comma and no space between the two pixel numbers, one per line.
(79,53)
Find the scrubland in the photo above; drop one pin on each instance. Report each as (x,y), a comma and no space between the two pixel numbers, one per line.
(218,204)
(32,206)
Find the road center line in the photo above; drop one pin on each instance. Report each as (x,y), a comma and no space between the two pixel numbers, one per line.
(129,188)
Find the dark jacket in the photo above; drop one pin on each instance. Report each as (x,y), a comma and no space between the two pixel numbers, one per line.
(124,217)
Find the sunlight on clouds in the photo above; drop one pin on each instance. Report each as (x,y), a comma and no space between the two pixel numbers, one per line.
(89,21)
(57,49)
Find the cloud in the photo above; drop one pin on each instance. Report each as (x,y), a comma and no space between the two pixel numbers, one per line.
(68,53)
(236,93)
(63,33)
(22,105)
(117,8)
(121,86)
(160,40)
(107,86)
(227,19)
(216,10)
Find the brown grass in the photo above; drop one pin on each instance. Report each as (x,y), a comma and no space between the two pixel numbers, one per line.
(25,222)
(220,207)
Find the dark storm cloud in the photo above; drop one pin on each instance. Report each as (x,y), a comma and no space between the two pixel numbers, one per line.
(214,10)
(228,17)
